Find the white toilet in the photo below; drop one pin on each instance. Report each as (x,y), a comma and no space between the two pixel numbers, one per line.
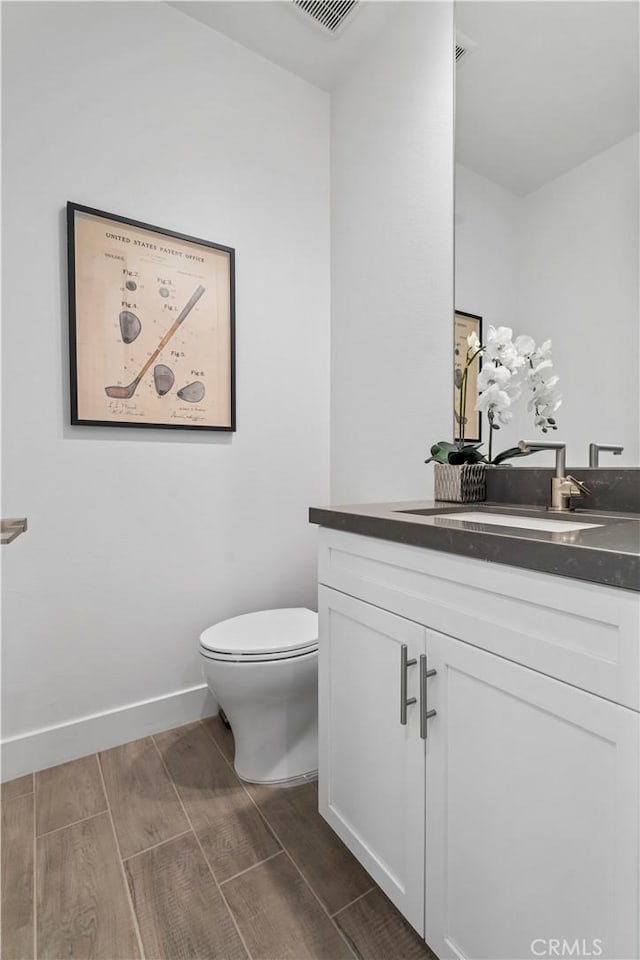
(262,668)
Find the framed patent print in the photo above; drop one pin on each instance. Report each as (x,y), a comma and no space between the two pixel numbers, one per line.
(151,325)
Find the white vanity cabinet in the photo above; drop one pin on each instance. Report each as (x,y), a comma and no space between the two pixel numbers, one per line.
(532,812)
(515,822)
(371,765)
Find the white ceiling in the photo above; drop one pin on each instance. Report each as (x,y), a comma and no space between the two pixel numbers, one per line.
(277,30)
(548,86)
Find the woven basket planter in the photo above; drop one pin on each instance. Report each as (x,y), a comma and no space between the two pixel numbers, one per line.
(464,483)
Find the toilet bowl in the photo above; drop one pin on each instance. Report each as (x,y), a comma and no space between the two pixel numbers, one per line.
(262,668)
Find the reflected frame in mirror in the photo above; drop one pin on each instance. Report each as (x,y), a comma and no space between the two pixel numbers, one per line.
(464,324)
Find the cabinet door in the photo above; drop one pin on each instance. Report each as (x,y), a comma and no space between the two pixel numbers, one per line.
(371,767)
(532,813)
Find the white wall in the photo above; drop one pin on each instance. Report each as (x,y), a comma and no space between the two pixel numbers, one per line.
(486,257)
(579,276)
(391,259)
(139,539)
(487,235)
(562,263)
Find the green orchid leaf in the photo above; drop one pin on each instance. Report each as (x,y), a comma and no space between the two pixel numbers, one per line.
(512,452)
(467,455)
(445,452)
(440,451)
(443,447)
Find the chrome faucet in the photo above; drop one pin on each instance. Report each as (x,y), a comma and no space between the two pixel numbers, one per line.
(562,488)
(595,448)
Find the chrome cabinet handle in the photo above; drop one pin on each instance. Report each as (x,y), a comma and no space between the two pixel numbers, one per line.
(404,663)
(425,713)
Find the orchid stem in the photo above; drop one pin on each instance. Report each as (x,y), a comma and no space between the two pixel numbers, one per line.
(463,403)
(463,395)
(490,437)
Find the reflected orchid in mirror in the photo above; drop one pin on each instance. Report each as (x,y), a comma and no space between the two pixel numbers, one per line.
(507,363)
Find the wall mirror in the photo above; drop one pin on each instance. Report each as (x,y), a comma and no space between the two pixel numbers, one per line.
(547,201)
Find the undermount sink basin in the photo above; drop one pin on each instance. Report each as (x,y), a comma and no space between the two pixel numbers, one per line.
(526,523)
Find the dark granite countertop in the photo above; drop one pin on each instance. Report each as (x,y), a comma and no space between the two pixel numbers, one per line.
(607,553)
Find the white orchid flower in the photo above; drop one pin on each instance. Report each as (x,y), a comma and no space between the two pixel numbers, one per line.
(508,364)
(493,398)
(498,335)
(544,351)
(526,345)
(511,358)
(473,342)
(501,349)
(550,406)
(504,417)
(491,374)
(544,398)
(514,390)
(536,370)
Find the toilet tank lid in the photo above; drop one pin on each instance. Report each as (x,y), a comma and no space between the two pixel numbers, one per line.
(267,631)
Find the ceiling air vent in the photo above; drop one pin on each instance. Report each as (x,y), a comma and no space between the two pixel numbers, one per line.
(464,46)
(331,15)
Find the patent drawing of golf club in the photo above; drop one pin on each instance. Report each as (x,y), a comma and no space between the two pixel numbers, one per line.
(193,392)
(130,326)
(125,393)
(164,378)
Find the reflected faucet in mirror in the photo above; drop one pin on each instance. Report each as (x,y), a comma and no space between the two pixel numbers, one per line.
(595,449)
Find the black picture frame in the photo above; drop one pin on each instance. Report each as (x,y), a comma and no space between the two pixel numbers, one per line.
(463,324)
(224,260)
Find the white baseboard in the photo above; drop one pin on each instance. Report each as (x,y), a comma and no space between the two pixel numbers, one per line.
(39,749)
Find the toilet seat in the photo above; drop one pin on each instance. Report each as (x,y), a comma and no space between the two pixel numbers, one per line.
(221,656)
(266,635)
(262,670)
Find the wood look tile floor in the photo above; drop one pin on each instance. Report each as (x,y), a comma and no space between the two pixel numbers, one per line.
(155,849)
